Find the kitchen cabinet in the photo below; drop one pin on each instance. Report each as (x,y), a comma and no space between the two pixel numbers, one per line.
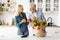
(46,6)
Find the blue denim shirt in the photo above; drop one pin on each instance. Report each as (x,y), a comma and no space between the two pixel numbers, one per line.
(17,21)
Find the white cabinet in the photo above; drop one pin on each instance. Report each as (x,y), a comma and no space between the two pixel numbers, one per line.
(46,6)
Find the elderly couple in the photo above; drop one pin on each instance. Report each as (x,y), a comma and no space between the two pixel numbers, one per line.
(21,21)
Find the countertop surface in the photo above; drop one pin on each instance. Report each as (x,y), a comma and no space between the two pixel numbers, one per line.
(10,33)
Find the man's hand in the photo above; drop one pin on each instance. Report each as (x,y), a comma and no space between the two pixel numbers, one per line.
(29,20)
(34,18)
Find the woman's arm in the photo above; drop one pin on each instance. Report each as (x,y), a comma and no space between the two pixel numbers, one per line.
(16,22)
(26,18)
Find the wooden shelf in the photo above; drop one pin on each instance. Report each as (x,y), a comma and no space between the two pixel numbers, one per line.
(10,3)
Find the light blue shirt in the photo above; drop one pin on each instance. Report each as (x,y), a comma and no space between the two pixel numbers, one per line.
(39,15)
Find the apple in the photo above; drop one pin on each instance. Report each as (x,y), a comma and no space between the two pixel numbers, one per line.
(29,20)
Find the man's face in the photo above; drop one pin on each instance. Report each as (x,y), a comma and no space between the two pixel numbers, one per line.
(32,8)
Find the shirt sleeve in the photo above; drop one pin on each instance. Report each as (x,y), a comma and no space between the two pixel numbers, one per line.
(42,16)
(26,19)
(16,22)
(29,16)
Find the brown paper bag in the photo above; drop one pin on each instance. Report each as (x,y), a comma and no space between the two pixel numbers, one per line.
(41,32)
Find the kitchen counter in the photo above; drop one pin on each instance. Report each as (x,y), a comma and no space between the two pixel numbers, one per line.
(14,26)
(10,33)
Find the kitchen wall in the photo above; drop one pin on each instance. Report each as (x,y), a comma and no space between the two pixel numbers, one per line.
(8,16)
(58,17)
(53,15)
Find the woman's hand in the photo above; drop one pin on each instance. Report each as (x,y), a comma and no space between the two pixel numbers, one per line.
(23,21)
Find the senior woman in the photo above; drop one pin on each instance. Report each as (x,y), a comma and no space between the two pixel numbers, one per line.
(21,22)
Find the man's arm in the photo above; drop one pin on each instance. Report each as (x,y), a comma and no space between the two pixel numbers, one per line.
(42,16)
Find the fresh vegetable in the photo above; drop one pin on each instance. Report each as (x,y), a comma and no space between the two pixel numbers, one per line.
(35,22)
(39,23)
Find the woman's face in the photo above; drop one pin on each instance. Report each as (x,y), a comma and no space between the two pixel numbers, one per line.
(20,9)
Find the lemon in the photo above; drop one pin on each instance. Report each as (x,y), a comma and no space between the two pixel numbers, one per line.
(24,20)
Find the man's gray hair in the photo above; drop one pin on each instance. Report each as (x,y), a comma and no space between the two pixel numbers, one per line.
(33,5)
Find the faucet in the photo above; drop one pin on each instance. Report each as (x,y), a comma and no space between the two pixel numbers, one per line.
(49,18)
(49,23)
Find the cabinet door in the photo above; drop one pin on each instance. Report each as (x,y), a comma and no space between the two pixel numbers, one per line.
(44,5)
(47,6)
(55,5)
(40,5)
(51,6)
